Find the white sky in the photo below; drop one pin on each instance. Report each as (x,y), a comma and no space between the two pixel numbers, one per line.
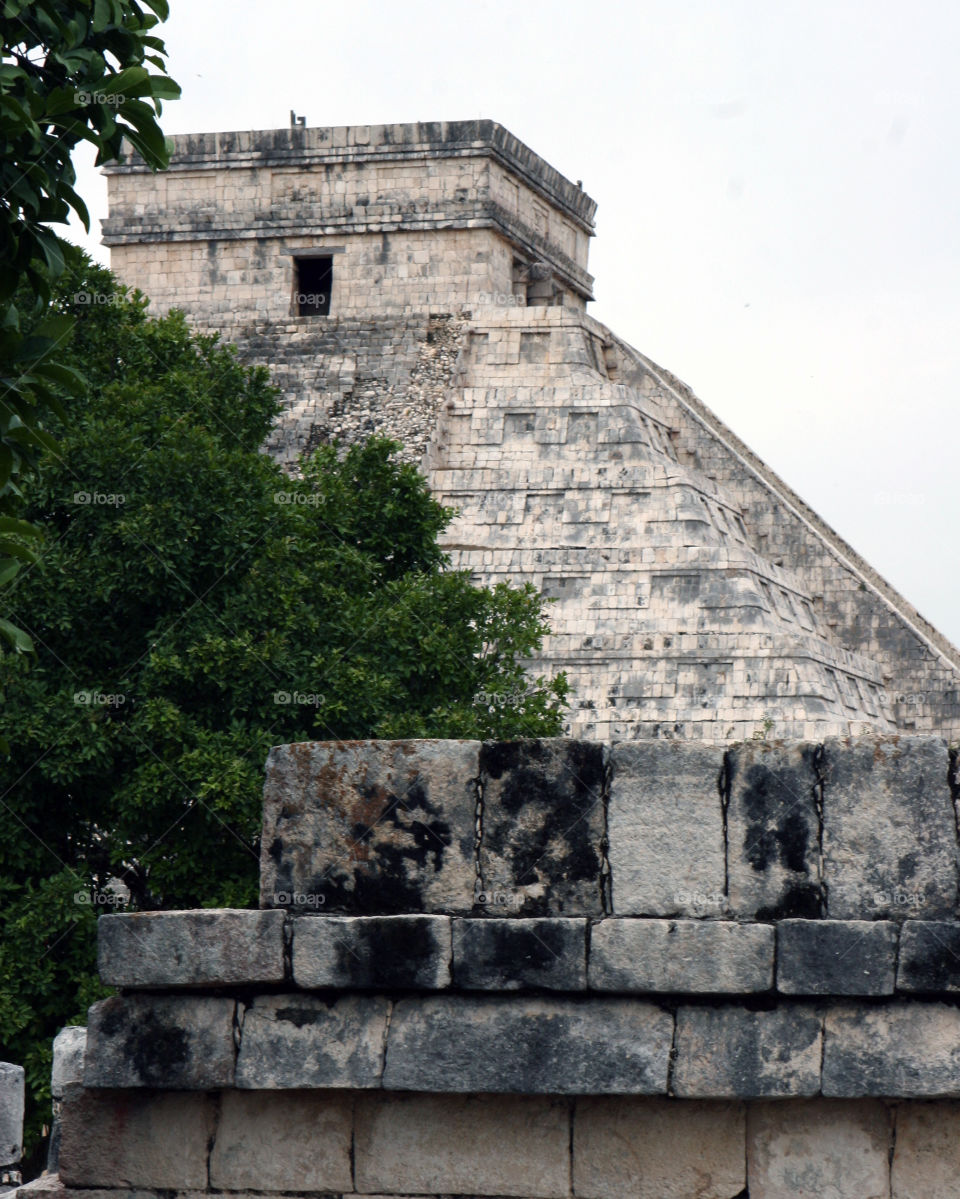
(778,189)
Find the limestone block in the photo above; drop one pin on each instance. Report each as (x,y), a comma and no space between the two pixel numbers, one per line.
(510,954)
(69,1046)
(681,955)
(140,1139)
(926,1160)
(773,830)
(814,1148)
(370,827)
(533,1046)
(629,1148)
(463,1144)
(283,1141)
(213,947)
(929,956)
(543,825)
(666,829)
(180,1043)
(889,831)
(900,1050)
(11,1113)
(836,957)
(372,952)
(295,1041)
(732,1053)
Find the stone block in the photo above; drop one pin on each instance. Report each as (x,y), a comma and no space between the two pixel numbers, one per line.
(372,952)
(144,1139)
(176,1043)
(69,1046)
(906,1050)
(929,956)
(666,829)
(773,830)
(209,948)
(289,1042)
(926,1160)
(11,1113)
(836,957)
(711,956)
(370,827)
(889,829)
(631,1148)
(812,1148)
(463,1144)
(283,1141)
(512,954)
(731,1052)
(533,1046)
(543,825)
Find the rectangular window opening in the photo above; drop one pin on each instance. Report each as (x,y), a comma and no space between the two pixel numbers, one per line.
(314,282)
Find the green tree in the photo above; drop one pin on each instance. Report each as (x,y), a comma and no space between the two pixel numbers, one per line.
(70,71)
(189,588)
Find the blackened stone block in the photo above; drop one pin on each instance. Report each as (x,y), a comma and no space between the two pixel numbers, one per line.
(543,825)
(508,955)
(656,789)
(705,956)
(209,948)
(773,831)
(903,1050)
(293,1042)
(731,1052)
(370,827)
(372,952)
(889,829)
(836,957)
(528,1045)
(171,1042)
(929,956)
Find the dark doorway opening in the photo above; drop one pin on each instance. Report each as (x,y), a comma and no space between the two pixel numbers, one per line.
(313,286)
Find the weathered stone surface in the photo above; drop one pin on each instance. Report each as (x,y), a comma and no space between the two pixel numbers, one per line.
(732,1053)
(295,1041)
(680,955)
(905,1050)
(174,1042)
(370,827)
(889,829)
(511,954)
(529,1046)
(144,1139)
(926,1160)
(69,1046)
(372,952)
(543,825)
(773,830)
(629,1148)
(929,956)
(11,1113)
(836,957)
(819,1149)
(666,829)
(283,1141)
(213,947)
(463,1144)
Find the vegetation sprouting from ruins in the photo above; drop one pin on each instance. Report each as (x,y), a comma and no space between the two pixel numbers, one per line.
(193,606)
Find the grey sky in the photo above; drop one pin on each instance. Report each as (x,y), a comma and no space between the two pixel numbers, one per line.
(778,189)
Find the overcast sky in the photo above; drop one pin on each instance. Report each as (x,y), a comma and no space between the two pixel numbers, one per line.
(778,189)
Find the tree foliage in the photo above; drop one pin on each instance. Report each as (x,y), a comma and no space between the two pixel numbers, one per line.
(194,606)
